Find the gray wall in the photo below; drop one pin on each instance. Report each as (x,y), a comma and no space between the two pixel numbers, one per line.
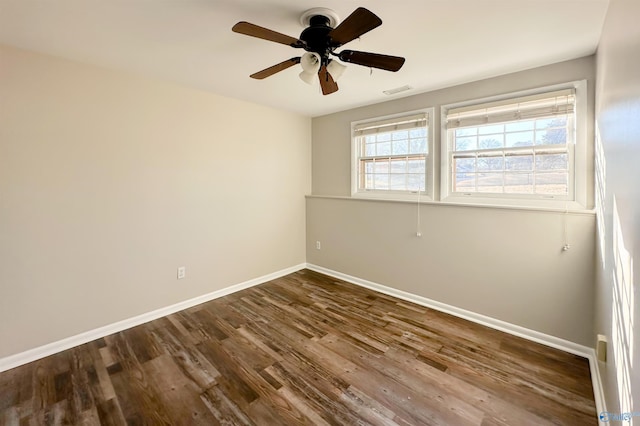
(503,263)
(618,180)
(109,182)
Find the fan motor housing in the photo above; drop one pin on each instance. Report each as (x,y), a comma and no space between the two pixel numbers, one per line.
(316,36)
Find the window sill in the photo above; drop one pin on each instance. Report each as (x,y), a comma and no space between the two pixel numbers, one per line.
(573,208)
(379,196)
(517,203)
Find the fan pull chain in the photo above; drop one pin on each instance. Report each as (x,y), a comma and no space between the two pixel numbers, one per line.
(418,225)
(565,237)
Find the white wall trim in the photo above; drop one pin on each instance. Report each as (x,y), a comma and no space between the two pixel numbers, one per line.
(425,200)
(34,354)
(516,330)
(596,380)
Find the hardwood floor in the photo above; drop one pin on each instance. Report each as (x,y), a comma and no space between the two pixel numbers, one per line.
(303,349)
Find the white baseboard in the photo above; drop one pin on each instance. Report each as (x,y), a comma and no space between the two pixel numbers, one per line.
(516,330)
(34,354)
(596,381)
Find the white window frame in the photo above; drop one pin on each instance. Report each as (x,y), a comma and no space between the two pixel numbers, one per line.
(577,198)
(427,194)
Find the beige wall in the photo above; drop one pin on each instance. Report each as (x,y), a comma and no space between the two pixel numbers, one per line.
(618,180)
(109,182)
(506,264)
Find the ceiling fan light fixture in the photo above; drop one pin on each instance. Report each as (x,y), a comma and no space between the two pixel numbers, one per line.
(308,77)
(310,63)
(336,69)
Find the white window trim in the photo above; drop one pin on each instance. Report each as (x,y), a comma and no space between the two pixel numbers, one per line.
(580,188)
(427,194)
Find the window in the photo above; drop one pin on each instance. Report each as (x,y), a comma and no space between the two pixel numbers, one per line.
(392,156)
(519,148)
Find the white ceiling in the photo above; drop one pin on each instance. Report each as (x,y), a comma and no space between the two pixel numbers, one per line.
(190,42)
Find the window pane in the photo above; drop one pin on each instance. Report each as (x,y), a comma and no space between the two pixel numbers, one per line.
(552,183)
(466,143)
(400,147)
(545,123)
(464,182)
(518,183)
(368,167)
(557,136)
(399,166)
(519,125)
(418,146)
(519,139)
(383,148)
(518,162)
(461,165)
(415,182)
(419,132)
(490,163)
(490,182)
(402,134)
(491,141)
(416,166)
(398,182)
(381,166)
(551,162)
(368,181)
(381,181)
(489,129)
(466,132)
(370,149)
(383,137)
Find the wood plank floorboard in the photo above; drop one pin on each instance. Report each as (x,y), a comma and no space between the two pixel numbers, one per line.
(304,349)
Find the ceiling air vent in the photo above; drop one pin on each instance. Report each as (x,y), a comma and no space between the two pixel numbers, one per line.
(397,90)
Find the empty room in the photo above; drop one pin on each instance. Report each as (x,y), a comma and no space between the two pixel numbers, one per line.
(268,212)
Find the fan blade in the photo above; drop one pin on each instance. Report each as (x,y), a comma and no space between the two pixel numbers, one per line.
(359,22)
(267,72)
(374,60)
(327,83)
(266,34)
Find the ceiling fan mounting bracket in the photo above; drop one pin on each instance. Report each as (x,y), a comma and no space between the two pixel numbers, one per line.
(331,15)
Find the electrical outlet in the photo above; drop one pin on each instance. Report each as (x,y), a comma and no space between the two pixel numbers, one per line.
(182,272)
(318,245)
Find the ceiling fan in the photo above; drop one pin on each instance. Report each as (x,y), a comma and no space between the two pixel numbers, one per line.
(320,40)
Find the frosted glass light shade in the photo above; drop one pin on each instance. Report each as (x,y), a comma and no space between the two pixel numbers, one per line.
(308,77)
(336,69)
(310,63)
